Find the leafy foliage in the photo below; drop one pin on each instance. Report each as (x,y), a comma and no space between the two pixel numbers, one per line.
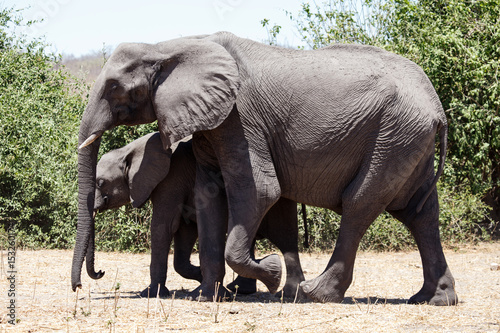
(40,110)
(124,229)
(39,120)
(457,45)
(341,21)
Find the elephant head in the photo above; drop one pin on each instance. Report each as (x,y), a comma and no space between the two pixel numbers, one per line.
(131,173)
(187,84)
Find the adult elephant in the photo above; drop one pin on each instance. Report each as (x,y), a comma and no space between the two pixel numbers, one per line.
(142,170)
(350,128)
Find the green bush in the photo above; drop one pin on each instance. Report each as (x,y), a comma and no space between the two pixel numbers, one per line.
(40,110)
(124,229)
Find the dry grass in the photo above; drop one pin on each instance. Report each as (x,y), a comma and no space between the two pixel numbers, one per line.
(375,302)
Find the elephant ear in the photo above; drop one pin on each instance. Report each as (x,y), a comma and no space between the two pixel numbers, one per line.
(194,87)
(146,166)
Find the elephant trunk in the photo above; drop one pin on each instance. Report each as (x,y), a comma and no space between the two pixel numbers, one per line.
(89,260)
(84,246)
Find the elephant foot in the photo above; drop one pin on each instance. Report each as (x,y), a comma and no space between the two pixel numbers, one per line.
(442,295)
(206,294)
(320,290)
(152,291)
(293,292)
(271,265)
(243,286)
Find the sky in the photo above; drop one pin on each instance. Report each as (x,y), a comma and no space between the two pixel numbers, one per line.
(79,27)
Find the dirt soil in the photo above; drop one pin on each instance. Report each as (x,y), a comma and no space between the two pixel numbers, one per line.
(375,302)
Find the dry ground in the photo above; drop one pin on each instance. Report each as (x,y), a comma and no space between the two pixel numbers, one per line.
(375,302)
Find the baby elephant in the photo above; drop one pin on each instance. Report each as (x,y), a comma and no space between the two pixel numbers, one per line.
(143,170)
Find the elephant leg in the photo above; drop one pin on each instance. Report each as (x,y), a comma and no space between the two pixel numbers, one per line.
(211,214)
(362,201)
(280,227)
(251,186)
(160,247)
(247,207)
(332,284)
(184,240)
(294,276)
(243,285)
(439,285)
(239,257)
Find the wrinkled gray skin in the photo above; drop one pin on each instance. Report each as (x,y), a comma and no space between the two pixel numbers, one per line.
(143,170)
(350,128)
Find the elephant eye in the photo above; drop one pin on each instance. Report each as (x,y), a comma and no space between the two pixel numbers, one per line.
(139,94)
(113,87)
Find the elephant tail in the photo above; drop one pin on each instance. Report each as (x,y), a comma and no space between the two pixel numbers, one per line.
(306,232)
(443,143)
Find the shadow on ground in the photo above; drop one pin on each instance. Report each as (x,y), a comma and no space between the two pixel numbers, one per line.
(258,297)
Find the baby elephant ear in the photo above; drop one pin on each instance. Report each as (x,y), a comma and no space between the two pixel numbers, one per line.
(148,165)
(194,87)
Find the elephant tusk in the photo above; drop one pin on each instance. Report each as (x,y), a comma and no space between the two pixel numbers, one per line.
(90,139)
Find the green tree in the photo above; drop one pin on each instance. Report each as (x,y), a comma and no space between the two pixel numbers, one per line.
(341,21)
